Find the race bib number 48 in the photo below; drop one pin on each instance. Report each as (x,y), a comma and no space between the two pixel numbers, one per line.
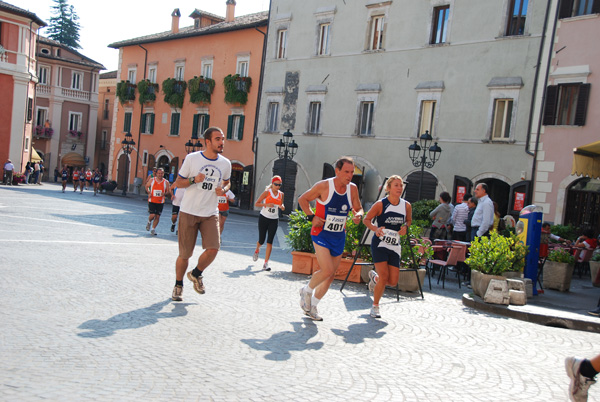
(335,223)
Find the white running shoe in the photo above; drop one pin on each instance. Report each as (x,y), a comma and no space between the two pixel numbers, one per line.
(266,267)
(314,314)
(578,389)
(148,226)
(255,256)
(177,293)
(305,301)
(153,232)
(373,279)
(375,312)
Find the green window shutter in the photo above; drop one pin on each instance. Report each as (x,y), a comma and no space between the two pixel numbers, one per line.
(177,121)
(241,133)
(551,105)
(174,124)
(143,123)
(195,126)
(151,123)
(127,122)
(582,104)
(206,120)
(229,126)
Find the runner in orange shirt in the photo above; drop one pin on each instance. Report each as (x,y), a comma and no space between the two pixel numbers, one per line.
(224,201)
(271,201)
(157,188)
(76,175)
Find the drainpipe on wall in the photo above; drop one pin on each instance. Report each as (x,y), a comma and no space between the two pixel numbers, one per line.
(258,100)
(141,116)
(543,103)
(31,47)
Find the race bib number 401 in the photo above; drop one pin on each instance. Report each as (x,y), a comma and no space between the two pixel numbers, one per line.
(335,223)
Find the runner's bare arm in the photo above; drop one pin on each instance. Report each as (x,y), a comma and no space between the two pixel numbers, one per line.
(356,205)
(260,202)
(375,210)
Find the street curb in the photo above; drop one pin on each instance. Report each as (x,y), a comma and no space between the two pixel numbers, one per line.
(536,318)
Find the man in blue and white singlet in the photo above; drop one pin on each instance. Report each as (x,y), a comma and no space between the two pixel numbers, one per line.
(334,198)
(393,216)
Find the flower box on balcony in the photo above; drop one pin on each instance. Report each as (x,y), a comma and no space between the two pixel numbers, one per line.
(174,91)
(237,88)
(125,91)
(201,89)
(147,91)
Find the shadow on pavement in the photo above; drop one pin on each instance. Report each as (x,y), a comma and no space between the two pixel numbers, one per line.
(132,319)
(281,344)
(242,272)
(357,333)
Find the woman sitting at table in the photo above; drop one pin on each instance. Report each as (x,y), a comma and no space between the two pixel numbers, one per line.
(394,215)
(586,241)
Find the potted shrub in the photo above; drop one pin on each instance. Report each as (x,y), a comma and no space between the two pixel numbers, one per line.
(595,267)
(558,270)
(147,91)
(201,89)
(421,252)
(299,241)
(354,234)
(420,213)
(494,257)
(125,91)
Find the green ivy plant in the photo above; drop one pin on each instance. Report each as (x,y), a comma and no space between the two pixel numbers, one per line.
(561,255)
(237,88)
(422,251)
(564,231)
(497,254)
(200,89)
(174,91)
(354,234)
(147,91)
(125,91)
(596,257)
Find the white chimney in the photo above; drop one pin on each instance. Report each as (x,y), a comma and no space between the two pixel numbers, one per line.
(175,20)
(229,17)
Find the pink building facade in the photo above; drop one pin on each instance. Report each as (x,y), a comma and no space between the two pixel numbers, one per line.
(18,37)
(570,118)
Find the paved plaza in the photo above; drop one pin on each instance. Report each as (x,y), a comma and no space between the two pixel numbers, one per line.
(86,314)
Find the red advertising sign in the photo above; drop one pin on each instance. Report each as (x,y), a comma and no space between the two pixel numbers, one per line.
(519,201)
(460,193)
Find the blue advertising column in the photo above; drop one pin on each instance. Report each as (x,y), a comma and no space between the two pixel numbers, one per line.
(529,231)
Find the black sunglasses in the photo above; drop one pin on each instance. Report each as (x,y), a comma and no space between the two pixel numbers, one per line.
(277,184)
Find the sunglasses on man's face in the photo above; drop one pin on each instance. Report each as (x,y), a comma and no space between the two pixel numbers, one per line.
(277,184)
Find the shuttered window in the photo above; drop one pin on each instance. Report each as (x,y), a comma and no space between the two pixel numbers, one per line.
(566,104)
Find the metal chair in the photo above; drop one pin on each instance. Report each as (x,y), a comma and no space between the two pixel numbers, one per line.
(452,260)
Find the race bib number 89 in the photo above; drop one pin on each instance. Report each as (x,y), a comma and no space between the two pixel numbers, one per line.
(335,223)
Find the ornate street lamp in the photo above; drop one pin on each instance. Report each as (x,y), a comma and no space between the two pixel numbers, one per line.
(193,144)
(418,155)
(127,145)
(286,149)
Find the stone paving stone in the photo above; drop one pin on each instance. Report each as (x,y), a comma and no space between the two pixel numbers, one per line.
(86,315)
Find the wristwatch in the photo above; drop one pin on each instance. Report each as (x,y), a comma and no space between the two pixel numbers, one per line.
(192,180)
(310,217)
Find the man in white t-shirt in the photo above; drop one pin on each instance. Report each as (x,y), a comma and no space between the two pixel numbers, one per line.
(205,176)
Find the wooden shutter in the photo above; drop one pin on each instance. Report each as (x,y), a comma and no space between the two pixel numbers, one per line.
(127,122)
(206,120)
(229,126)
(241,133)
(143,123)
(195,126)
(550,107)
(582,102)
(566,9)
(151,123)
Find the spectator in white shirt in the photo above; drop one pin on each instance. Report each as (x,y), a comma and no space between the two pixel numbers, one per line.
(460,213)
(483,218)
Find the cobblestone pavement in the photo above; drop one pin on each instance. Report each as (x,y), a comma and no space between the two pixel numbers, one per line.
(86,314)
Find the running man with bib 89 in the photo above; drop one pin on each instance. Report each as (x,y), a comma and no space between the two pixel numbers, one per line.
(334,198)
(205,176)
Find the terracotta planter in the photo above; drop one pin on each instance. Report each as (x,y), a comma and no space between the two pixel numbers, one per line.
(407,280)
(344,267)
(557,275)
(594,268)
(302,263)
